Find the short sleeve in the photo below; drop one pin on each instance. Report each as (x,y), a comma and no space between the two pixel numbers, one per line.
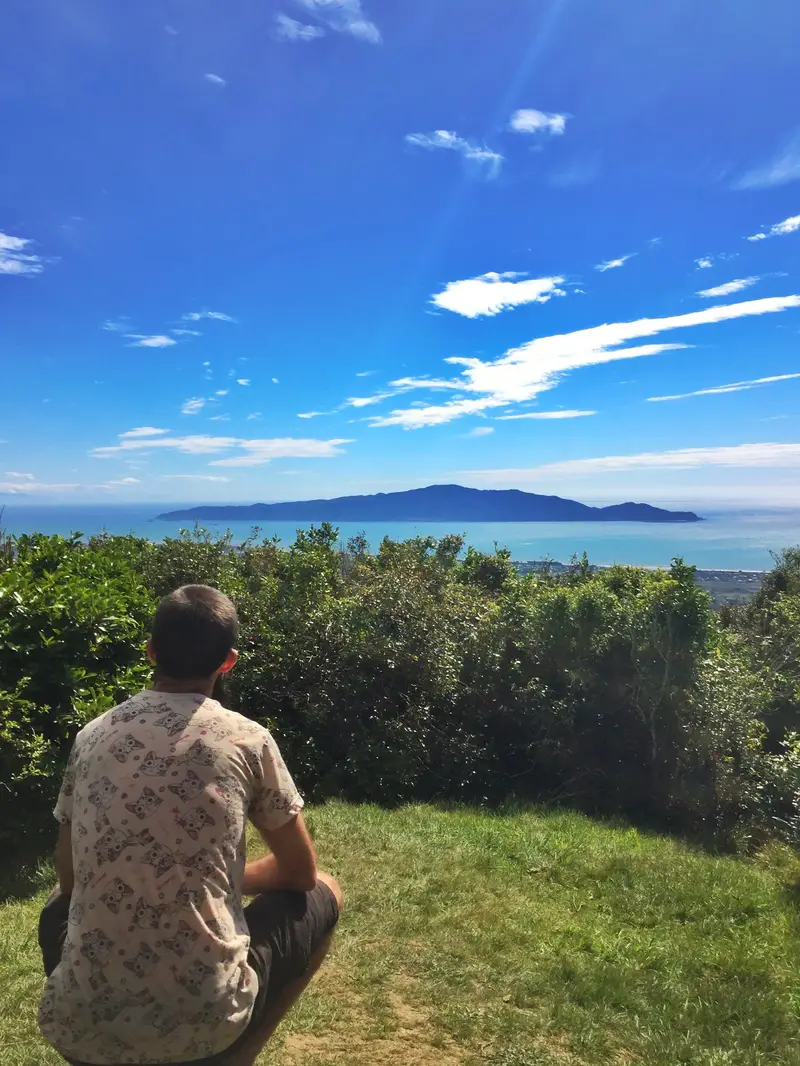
(63,808)
(275,798)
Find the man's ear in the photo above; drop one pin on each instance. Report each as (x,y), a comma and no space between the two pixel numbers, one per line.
(151,655)
(230,662)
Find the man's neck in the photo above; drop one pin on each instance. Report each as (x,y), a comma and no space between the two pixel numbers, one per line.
(200,687)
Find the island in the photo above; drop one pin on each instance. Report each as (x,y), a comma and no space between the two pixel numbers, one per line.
(436,503)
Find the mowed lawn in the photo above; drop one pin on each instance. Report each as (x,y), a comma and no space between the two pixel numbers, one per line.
(523,939)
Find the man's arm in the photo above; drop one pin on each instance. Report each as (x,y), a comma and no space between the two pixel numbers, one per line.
(66,874)
(292,864)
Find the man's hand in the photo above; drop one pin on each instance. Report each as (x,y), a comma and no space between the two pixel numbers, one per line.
(292,864)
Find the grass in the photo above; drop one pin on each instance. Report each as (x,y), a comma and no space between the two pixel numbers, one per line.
(523,939)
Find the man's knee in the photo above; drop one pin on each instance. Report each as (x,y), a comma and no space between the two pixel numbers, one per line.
(333,885)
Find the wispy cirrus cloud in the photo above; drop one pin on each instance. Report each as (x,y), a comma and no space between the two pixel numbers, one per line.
(19,476)
(215,79)
(729,288)
(720,390)
(486,161)
(193,477)
(492,293)
(782,169)
(26,485)
(193,406)
(343,16)
(480,431)
(186,332)
(143,431)
(614,264)
(546,415)
(17,258)
(251,452)
(117,325)
(767,455)
(151,340)
(525,372)
(243,381)
(198,316)
(780,229)
(289,29)
(529,120)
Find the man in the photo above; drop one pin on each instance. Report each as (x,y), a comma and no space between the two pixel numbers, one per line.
(150,955)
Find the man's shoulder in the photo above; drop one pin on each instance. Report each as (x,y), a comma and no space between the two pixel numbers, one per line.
(239,724)
(124,712)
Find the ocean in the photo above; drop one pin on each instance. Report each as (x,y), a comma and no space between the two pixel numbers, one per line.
(726,540)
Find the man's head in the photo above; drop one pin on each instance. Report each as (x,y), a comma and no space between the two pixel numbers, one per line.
(194,633)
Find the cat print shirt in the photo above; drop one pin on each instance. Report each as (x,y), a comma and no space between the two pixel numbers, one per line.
(158,792)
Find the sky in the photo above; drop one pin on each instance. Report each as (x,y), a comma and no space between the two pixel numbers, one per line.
(290,249)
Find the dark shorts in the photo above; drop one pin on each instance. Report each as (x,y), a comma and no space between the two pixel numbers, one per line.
(286,930)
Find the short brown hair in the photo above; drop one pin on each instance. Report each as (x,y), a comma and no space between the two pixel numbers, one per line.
(194,631)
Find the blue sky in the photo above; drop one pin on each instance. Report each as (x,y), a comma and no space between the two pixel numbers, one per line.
(295,248)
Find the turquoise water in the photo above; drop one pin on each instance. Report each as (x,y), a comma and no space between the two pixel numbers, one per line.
(730,540)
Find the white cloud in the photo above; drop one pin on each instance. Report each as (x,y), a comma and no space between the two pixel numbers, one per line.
(775,456)
(186,332)
(480,431)
(259,452)
(220,418)
(780,229)
(222,392)
(275,381)
(437,414)
(215,79)
(492,293)
(116,325)
(125,481)
(488,161)
(19,476)
(198,316)
(364,401)
(193,477)
(27,488)
(525,372)
(142,431)
(197,444)
(344,16)
(718,390)
(193,406)
(365,373)
(528,120)
(243,381)
(781,170)
(288,29)
(311,414)
(546,415)
(253,417)
(729,287)
(704,262)
(156,340)
(614,264)
(254,452)
(14,259)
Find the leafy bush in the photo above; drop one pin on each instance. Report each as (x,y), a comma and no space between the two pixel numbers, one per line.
(72,630)
(422,672)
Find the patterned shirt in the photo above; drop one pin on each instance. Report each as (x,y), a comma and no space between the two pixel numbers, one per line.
(158,792)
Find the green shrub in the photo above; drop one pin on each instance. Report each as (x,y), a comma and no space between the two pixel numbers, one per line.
(72,630)
(420,672)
